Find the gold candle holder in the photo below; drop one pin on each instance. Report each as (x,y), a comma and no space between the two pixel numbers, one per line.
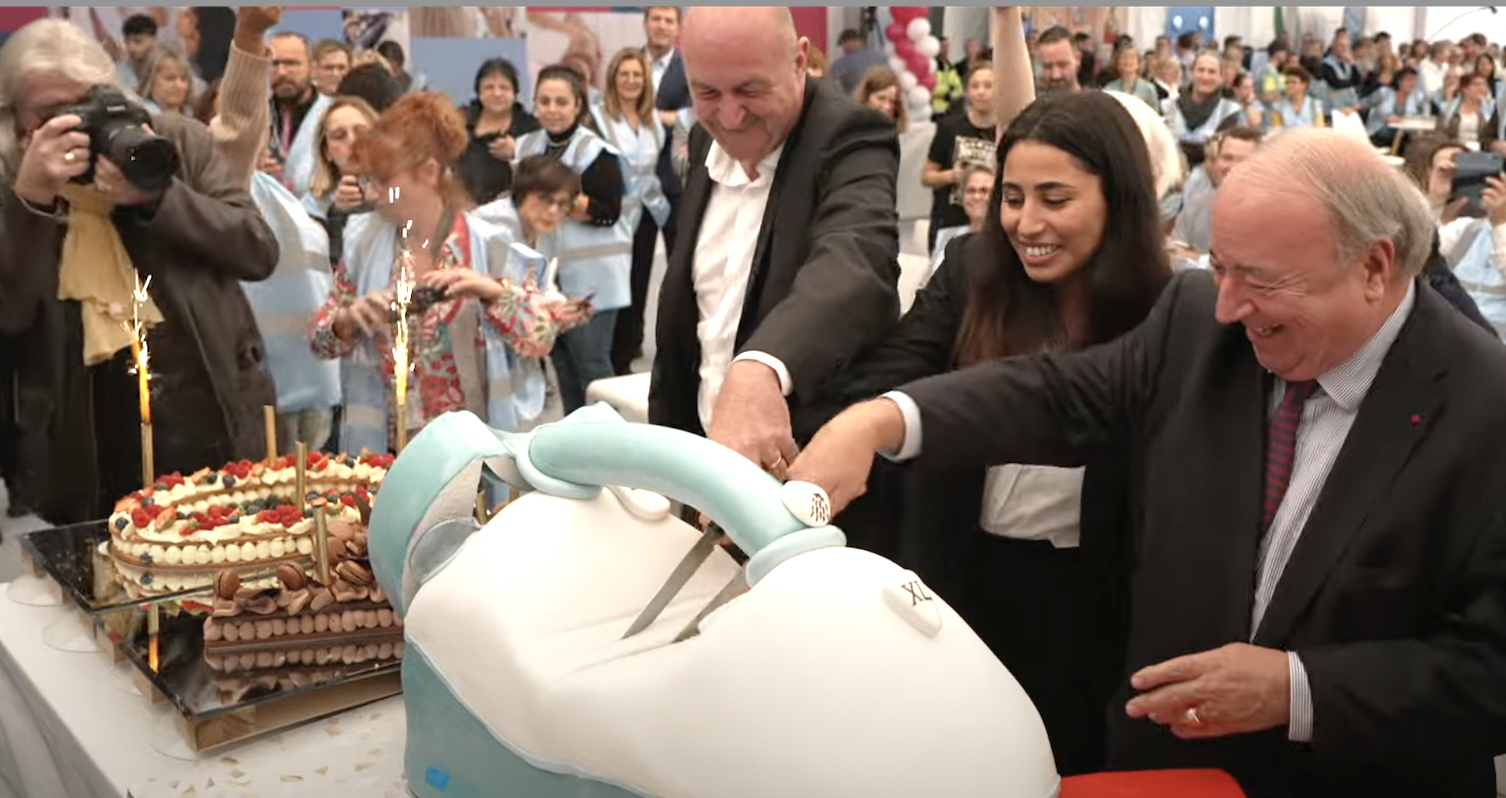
(148,458)
(321,543)
(402,426)
(269,420)
(300,474)
(153,638)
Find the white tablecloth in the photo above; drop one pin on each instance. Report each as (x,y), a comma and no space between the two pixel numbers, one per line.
(72,728)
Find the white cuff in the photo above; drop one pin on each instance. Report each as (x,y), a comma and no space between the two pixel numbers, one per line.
(911,411)
(1299,728)
(786,382)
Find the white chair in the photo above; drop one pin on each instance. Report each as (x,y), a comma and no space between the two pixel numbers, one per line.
(628,395)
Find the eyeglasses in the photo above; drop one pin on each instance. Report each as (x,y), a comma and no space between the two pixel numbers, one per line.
(560,202)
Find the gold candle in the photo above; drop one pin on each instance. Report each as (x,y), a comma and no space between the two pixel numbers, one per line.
(148,460)
(300,475)
(321,544)
(269,420)
(153,635)
(482,514)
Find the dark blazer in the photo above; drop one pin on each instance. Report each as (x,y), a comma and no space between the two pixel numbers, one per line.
(672,95)
(1395,597)
(822,289)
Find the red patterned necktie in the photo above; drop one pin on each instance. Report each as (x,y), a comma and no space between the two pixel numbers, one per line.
(1281,448)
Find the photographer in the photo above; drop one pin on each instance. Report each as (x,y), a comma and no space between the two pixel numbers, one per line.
(70,253)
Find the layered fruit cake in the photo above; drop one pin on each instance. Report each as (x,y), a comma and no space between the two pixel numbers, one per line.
(301,631)
(181,532)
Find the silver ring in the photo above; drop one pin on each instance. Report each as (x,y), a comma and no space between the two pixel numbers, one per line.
(1190,717)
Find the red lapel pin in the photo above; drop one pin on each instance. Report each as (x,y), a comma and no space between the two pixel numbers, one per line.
(1416,419)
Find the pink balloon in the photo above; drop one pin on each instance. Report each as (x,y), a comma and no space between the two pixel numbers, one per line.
(917,64)
(897,33)
(928,80)
(904,49)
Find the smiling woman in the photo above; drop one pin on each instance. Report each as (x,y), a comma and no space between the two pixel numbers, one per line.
(1069,255)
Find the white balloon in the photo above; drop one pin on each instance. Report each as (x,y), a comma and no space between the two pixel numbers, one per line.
(920,97)
(898,65)
(907,81)
(930,47)
(890,51)
(919,29)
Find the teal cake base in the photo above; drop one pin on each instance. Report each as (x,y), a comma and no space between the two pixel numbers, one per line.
(452,754)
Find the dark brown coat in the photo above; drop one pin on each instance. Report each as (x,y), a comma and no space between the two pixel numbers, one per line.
(210,381)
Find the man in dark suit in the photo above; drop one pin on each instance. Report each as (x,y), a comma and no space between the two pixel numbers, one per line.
(787,261)
(1318,602)
(661,29)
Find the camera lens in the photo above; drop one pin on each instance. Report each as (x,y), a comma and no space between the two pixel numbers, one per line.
(147,161)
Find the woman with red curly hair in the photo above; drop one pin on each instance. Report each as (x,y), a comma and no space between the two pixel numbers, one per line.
(478,321)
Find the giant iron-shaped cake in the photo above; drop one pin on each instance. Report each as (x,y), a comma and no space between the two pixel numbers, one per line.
(838,674)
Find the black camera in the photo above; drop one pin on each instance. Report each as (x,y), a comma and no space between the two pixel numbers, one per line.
(116,130)
(422,299)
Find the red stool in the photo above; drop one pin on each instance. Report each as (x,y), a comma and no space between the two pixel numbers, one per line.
(1153,784)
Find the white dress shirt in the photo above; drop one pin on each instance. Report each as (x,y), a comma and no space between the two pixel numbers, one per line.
(1326,419)
(658,66)
(723,263)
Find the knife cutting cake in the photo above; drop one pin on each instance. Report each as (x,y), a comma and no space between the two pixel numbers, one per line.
(181,532)
(301,630)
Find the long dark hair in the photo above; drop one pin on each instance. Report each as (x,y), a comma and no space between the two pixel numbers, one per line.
(1008,313)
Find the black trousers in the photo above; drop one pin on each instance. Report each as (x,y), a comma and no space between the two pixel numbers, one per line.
(1026,600)
(627,339)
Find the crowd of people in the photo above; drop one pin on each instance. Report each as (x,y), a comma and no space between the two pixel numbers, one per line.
(1216,497)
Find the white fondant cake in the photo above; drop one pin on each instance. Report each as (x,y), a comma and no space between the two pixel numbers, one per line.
(836,675)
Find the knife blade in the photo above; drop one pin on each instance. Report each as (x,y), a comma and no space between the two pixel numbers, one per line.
(735,587)
(689,564)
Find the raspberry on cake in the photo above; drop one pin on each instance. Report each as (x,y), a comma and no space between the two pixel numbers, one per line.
(178,533)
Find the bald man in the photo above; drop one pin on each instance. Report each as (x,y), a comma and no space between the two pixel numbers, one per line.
(786,262)
(1319,600)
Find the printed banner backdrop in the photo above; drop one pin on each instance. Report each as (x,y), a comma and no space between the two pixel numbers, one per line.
(449,65)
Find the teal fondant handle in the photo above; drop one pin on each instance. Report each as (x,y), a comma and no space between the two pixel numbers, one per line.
(719,482)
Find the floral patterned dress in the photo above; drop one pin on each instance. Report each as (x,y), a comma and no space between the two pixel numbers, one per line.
(444,377)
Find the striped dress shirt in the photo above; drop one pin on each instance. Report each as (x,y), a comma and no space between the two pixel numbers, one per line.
(1326,419)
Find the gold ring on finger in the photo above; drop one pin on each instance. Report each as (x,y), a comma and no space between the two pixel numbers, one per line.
(69,157)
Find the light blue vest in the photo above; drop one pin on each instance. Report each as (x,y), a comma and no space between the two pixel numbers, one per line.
(1345,97)
(642,156)
(1487,110)
(1200,134)
(1384,103)
(503,213)
(595,261)
(1471,259)
(286,302)
(1307,116)
(298,161)
(514,384)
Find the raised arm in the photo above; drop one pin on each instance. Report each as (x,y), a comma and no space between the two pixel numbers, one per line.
(240,124)
(1014,80)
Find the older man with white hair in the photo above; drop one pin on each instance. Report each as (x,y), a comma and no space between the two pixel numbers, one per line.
(1319,600)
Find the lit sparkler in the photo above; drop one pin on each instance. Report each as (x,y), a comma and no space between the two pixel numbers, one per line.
(400,364)
(142,358)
